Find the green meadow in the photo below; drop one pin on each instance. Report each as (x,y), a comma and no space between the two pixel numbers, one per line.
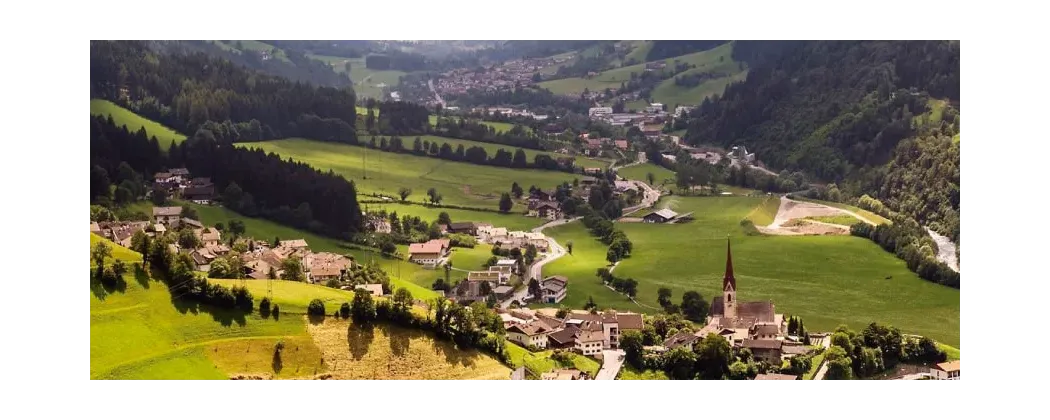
(716,59)
(874,218)
(459,183)
(134,122)
(663,176)
(511,221)
(141,332)
(827,280)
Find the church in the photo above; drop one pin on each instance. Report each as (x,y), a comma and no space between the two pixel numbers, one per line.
(754,325)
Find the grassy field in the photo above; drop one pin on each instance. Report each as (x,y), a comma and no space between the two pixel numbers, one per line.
(764,214)
(629,373)
(827,280)
(249,45)
(293,296)
(411,275)
(117,252)
(366,81)
(613,78)
(640,51)
(141,333)
(492,148)
(511,221)
(842,219)
(953,353)
(638,173)
(134,122)
(459,183)
(875,218)
(541,362)
(385,351)
(500,127)
(669,93)
(471,258)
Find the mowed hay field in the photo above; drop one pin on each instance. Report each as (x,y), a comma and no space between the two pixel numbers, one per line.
(459,183)
(385,351)
(640,172)
(141,333)
(766,212)
(827,280)
(125,117)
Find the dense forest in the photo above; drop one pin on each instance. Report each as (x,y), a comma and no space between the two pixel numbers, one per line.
(842,110)
(299,67)
(252,182)
(185,91)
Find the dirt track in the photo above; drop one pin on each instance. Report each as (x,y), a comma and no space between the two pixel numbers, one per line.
(788,220)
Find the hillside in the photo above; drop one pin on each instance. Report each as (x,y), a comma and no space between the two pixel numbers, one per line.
(121,116)
(143,332)
(715,69)
(839,110)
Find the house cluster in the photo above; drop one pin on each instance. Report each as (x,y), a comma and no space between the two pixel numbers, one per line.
(119,232)
(580,331)
(752,325)
(506,75)
(593,146)
(502,239)
(178,183)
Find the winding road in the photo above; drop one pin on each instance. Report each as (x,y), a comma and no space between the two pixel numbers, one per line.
(430,83)
(536,269)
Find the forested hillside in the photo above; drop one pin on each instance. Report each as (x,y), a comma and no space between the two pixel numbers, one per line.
(250,181)
(294,65)
(842,111)
(186,90)
(668,49)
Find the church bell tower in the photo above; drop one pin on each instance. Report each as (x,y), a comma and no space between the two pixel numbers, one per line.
(729,286)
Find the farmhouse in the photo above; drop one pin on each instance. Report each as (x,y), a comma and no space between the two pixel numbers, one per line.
(564,375)
(681,339)
(376,289)
(946,371)
(592,171)
(199,194)
(764,350)
(208,236)
(119,232)
(621,144)
(469,228)
(469,291)
(326,266)
(549,210)
(489,276)
(660,216)
(167,215)
(193,223)
(554,288)
(533,334)
(428,254)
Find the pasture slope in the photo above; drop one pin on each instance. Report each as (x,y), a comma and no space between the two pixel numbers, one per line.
(827,280)
(459,183)
(368,83)
(662,176)
(717,62)
(122,116)
(139,331)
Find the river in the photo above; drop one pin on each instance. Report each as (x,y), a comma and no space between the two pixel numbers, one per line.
(945,250)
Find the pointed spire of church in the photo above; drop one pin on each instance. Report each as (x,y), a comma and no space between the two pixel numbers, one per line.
(729,281)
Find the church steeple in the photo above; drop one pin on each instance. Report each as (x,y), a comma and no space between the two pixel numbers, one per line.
(729,286)
(729,282)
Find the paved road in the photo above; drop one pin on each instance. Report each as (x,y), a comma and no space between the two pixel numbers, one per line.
(430,82)
(612,361)
(536,270)
(648,199)
(826,342)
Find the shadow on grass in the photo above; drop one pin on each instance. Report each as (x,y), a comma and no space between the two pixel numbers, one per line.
(225,317)
(454,353)
(400,338)
(277,364)
(102,286)
(142,277)
(315,319)
(359,338)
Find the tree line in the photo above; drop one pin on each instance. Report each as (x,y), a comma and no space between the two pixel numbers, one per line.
(876,349)
(184,90)
(254,183)
(909,242)
(469,129)
(474,154)
(298,67)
